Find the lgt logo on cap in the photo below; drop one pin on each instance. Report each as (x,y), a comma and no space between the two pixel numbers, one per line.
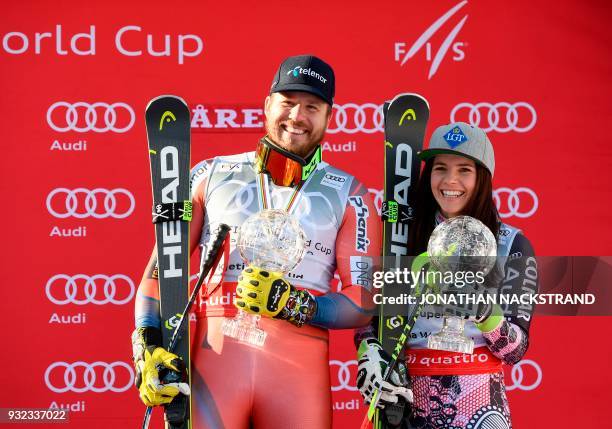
(455,137)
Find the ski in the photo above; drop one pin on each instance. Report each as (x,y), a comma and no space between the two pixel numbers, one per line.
(406,118)
(168,134)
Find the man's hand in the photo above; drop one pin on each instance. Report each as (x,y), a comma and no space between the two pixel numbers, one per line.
(152,391)
(150,360)
(267,293)
(262,292)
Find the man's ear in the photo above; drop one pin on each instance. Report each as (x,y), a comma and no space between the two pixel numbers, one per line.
(330,110)
(267,102)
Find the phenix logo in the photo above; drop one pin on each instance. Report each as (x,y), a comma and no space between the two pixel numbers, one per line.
(361,230)
(297,70)
(448,43)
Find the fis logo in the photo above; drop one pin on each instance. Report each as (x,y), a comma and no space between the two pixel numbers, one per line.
(455,137)
(402,56)
(361,230)
(166,117)
(229,167)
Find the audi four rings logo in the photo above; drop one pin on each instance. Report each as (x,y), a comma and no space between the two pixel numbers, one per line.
(344,375)
(81,203)
(98,117)
(522,379)
(501,117)
(99,289)
(334,178)
(98,377)
(352,118)
(520,202)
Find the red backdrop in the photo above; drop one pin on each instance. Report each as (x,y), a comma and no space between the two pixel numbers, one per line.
(76,76)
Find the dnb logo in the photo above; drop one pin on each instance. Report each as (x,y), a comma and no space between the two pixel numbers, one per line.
(98,117)
(97,377)
(425,40)
(343,375)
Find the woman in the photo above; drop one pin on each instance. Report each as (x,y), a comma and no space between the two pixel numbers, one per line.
(452,390)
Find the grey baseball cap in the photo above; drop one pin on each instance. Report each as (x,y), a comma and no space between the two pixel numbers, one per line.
(461,139)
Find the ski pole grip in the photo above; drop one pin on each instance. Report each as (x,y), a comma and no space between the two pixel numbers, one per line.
(214,247)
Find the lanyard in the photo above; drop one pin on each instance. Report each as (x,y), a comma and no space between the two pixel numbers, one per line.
(265,199)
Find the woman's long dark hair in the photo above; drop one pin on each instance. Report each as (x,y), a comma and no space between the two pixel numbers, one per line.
(480,206)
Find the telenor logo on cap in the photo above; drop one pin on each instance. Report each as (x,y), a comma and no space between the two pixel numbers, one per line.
(455,137)
(297,70)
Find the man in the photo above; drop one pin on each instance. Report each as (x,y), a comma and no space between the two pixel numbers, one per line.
(286,382)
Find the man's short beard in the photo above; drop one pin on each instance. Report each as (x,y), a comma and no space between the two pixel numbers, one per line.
(314,146)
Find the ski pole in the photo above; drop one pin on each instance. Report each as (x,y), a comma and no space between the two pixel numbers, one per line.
(212,258)
(419,262)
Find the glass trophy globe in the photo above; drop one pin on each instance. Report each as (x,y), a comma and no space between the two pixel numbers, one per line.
(272,240)
(462,243)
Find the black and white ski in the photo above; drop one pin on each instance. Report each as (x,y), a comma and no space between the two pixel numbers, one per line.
(168,133)
(406,118)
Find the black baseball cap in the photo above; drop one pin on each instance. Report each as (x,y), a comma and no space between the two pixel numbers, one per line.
(306,73)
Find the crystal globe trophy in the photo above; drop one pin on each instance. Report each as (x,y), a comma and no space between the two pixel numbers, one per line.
(272,240)
(462,243)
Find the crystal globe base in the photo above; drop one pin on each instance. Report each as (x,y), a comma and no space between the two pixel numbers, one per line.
(272,240)
(244,329)
(451,337)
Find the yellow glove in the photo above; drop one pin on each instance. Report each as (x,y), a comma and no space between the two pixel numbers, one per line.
(262,292)
(152,391)
(267,293)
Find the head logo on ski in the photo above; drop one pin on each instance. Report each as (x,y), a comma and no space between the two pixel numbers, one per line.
(167,116)
(408,115)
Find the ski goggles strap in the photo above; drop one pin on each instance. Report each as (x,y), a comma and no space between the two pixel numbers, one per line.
(284,167)
(311,166)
